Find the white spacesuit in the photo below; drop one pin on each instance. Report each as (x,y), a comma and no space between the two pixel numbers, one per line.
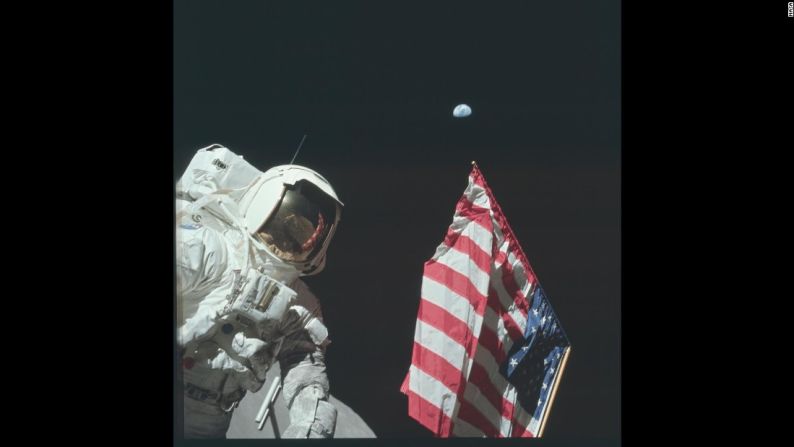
(243,240)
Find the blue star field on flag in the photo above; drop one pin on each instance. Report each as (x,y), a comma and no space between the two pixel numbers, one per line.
(531,365)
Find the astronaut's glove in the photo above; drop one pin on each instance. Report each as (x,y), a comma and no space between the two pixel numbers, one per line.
(311,416)
(245,360)
(256,353)
(238,373)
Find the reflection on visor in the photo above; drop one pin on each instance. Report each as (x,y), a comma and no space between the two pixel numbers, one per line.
(294,237)
(312,241)
(298,228)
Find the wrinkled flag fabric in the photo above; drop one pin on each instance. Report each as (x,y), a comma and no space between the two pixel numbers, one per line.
(488,350)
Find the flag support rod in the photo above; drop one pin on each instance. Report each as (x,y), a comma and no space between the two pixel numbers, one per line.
(554,391)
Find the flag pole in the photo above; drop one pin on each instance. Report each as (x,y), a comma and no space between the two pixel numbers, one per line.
(557,381)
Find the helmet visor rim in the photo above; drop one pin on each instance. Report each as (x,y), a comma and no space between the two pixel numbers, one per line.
(298,228)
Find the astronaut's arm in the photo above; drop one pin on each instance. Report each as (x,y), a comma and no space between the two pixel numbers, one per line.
(200,262)
(201,256)
(306,393)
(189,263)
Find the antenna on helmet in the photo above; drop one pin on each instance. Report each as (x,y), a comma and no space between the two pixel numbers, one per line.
(299,148)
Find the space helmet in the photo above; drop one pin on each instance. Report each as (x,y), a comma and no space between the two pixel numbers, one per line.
(293,212)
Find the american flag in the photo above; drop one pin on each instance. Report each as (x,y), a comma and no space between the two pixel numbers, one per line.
(488,349)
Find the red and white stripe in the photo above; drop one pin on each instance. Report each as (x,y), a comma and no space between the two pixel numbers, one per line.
(473,308)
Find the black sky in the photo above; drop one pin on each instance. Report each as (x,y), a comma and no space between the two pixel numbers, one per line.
(374,85)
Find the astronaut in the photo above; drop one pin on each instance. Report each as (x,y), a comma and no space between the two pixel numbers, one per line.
(244,239)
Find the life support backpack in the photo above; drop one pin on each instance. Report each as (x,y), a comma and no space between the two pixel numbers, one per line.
(216,170)
(215,181)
